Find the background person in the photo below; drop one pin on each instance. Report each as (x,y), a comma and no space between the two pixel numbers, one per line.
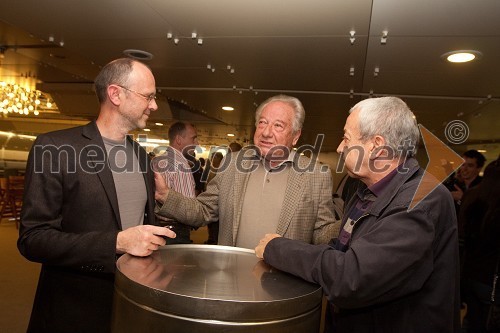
(88,199)
(467,176)
(391,269)
(480,216)
(265,188)
(178,174)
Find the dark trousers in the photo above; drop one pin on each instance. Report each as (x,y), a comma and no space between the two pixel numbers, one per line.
(183,233)
(213,233)
(477,296)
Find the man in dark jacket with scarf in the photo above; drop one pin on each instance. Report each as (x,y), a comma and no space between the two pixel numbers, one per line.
(393,268)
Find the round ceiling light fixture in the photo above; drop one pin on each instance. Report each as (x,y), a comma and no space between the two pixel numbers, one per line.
(138,54)
(461,56)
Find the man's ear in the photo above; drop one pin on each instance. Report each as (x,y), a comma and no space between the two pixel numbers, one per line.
(296,137)
(379,148)
(114,94)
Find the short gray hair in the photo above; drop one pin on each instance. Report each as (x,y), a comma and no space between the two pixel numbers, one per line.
(392,119)
(298,109)
(115,72)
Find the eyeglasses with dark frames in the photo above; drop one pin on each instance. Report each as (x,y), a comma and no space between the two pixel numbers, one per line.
(149,98)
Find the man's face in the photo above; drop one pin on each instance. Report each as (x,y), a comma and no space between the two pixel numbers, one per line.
(469,170)
(353,151)
(188,140)
(274,130)
(136,108)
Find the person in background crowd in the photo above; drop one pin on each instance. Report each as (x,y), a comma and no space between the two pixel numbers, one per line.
(467,176)
(198,168)
(264,188)
(392,268)
(480,216)
(89,198)
(177,172)
(234,147)
(464,179)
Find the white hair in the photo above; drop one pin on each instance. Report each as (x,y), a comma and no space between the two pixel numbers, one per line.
(393,120)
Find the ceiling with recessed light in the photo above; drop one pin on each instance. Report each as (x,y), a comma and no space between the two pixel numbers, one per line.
(210,54)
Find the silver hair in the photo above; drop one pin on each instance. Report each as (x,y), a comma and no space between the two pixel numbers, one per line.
(392,119)
(294,102)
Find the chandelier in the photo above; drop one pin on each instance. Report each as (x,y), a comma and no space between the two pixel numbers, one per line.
(16,99)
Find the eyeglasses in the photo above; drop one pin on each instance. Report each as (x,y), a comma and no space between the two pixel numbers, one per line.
(149,98)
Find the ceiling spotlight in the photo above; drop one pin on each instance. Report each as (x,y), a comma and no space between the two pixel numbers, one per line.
(169,35)
(461,56)
(227,108)
(383,39)
(232,71)
(230,134)
(176,41)
(376,71)
(159,124)
(51,39)
(194,35)
(146,130)
(352,38)
(61,43)
(200,41)
(213,70)
(351,71)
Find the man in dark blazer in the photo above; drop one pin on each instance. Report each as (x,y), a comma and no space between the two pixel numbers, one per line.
(392,268)
(89,198)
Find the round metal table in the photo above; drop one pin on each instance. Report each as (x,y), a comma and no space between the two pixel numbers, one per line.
(209,288)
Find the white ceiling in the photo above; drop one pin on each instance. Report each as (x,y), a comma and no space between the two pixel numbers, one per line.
(301,48)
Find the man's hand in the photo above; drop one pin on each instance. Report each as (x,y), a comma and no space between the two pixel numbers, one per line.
(458,194)
(142,240)
(259,250)
(161,187)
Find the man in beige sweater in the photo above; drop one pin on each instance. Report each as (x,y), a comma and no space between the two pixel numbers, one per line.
(264,188)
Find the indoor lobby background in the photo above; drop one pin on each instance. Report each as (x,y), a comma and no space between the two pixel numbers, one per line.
(216,61)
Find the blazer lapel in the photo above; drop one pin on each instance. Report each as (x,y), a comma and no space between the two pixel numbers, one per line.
(293,196)
(101,168)
(240,183)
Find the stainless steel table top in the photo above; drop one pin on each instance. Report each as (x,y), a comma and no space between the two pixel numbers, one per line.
(196,279)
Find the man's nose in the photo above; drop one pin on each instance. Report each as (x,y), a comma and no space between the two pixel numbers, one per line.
(267,131)
(152,105)
(340,148)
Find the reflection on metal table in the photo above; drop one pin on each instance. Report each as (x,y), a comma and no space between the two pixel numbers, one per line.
(209,288)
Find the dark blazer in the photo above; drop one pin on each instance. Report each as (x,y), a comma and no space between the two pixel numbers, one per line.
(69,223)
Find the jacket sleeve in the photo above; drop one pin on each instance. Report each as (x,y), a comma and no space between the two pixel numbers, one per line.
(195,212)
(43,236)
(392,257)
